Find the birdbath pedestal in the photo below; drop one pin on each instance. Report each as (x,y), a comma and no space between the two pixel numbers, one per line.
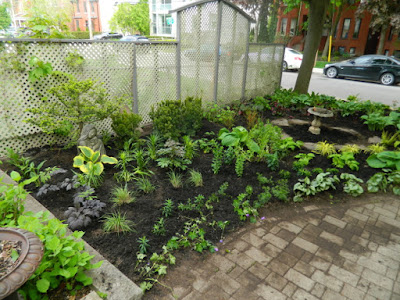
(30,254)
(318,113)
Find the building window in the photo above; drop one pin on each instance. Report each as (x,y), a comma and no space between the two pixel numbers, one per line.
(345,29)
(165,5)
(84,6)
(293,26)
(336,30)
(154,5)
(352,50)
(77,6)
(283,26)
(77,24)
(396,53)
(92,5)
(154,23)
(357,28)
(165,28)
(341,50)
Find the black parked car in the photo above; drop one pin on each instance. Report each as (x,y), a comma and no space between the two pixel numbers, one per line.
(135,38)
(107,36)
(380,68)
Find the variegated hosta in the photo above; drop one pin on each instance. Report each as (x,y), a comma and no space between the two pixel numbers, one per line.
(91,164)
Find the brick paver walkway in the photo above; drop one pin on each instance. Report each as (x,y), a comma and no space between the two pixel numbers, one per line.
(341,251)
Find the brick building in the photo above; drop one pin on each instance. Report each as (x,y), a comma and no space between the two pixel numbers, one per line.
(80,19)
(352,36)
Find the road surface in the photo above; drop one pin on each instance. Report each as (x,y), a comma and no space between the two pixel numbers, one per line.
(342,88)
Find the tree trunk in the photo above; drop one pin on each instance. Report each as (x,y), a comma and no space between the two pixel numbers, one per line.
(263,21)
(256,30)
(316,19)
(382,37)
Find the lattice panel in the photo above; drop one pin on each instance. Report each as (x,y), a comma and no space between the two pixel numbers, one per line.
(156,76)
(264,69)
(234,38)
(198,50)
(107,63)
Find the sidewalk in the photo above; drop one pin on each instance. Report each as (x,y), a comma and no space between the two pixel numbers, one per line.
(315,251)
(318,70)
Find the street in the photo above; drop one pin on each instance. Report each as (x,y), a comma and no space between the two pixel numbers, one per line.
(342,88)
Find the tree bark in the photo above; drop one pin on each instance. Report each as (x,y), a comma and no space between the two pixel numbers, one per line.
(382,37)
(263,21)
(317,10)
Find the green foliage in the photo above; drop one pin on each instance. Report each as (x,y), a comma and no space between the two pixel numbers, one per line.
(195,178)
(386,159)
(222,115)
(324,148)
(378,120)
(303,159)
(193,236)
(168,208)
(241,205)
(272,161)
(308,187)
(217,161)
(239,163)
(39,69)
(91,165)
(159,227)
(263,180)
(130,18)
(175,179)
(124,158)
(153,144)
(74,59)
(28,169)
(77,102)
(5,18)
(375,148)
(64,260)
(281,190)
(284,174)
(116,222)
(143,244)
(384,181)
(12,198)
(391,139)
(125,124)
(355,149)
(121,195)
(175,118)
(268,138)
(352,184)
(345,159)
(172,156)
(144,185)
(239,136)
(190,147)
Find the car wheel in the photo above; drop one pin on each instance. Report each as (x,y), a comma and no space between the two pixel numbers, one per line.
(387,79)
(331,72)
(284,66)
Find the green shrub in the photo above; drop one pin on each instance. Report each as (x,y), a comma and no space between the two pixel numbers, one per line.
(125,124)
(81,35)
(174,118)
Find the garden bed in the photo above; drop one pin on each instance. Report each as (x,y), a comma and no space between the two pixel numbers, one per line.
(121,249)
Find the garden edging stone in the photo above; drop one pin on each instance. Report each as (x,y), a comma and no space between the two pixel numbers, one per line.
(106,279)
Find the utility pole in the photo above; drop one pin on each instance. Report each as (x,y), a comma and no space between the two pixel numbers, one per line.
(89,19)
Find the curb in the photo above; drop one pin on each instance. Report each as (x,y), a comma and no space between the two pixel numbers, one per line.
(106,279)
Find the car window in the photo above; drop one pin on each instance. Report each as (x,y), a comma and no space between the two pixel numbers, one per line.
(389,62)
(362,60)
(378,61)
(395,60)
(294,51)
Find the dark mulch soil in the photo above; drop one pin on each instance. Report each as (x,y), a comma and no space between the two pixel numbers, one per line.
(121,249)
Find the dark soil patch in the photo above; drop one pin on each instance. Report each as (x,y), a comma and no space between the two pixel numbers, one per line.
(146,210)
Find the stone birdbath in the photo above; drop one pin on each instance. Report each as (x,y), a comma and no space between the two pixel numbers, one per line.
(20,254)
(318,113)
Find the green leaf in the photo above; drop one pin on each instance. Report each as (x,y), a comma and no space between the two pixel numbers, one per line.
(78,161)
(162,270)
(83,278)
(108,160)
(53,243)
(96,156)
(97,168)
(253,146)
(42,285)
(86,151)
(15,176)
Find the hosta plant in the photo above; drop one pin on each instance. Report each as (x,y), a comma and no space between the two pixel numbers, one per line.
(91,165)
(352,184)
(386,159)
(308,187)
(384,181)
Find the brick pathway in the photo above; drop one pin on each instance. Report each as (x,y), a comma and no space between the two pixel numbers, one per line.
(341,251)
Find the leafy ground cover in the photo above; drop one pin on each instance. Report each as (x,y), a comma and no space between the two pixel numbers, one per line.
(208,171)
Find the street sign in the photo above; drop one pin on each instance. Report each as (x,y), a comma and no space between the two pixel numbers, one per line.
(170,21)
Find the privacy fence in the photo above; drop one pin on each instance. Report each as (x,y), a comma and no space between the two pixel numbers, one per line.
(211,59)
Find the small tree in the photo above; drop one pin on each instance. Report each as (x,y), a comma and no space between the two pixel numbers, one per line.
(5,19)
(76,102)
(131,18)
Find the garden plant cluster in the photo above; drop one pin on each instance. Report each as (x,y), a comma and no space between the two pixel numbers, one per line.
(203,171)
